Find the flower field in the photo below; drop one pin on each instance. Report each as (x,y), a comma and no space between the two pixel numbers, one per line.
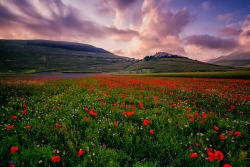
(125,121)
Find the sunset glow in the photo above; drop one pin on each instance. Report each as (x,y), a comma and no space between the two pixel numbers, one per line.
(133,28)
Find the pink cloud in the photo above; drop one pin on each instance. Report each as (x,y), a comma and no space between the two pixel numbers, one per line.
(212,42)
(229,31)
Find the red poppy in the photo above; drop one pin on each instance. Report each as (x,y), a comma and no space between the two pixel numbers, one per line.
(227,165)
(12,165)
(191,119)
(24,112)
(204,115)
(222,137)
(219,155)
(56,159)
(151,122)
(28,127)
(193,155)
(86,109)
(145,122)
(140,105)
(14,117)
(116,123)
(10,127)
(211,156)
(58,125)
(24,106)
(13,149)
(85,118)
(152,132)
(230,133)
(216,128)
(92,113)
(237,133)
(80,152)
(103,103)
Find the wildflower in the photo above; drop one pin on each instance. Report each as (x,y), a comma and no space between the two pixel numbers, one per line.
(116,123)
(14,117)
(140,105)
(10,127)
(193,155)
(219,155)
(28,127)
(145,122)
(13,149)
(103,103)
(58,125)
(204,115)
(191,119)
(56,159)
(222,137)
(92,113)
(24,106)
(227,165)
(216,128)
(237,133)
(230,133)
(24,112)
(85,118)
(80,152)
(151,122)
(152,132)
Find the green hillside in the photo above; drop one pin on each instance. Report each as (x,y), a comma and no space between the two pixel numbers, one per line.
(30,56)
(165,64)
(38,56)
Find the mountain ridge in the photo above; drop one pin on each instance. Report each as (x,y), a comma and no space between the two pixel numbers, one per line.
(29,56)
(235,59)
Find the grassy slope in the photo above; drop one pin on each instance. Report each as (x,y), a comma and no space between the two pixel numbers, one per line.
(237,63)
(18,56)
(175,65)
(218,74)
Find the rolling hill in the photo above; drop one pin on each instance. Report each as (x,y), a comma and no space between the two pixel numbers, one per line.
(165,62)
(27,56)
(31,56)
(236,59)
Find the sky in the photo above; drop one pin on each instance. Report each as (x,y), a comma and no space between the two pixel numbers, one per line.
(198,29)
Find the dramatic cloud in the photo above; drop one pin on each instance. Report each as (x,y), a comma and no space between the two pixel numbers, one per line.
(160,29)
(122,4)
(132,28)
(158,21)
(229,31)
(211,42)
(206,5)
(60,20)
(245,35)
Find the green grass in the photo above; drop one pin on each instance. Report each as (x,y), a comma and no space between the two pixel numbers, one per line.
(182,113)
(218,74)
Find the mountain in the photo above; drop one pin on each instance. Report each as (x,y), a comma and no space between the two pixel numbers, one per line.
(166,62)
(236,59)
(30,56)
(27,56)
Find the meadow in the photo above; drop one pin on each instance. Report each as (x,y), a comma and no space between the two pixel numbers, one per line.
(125,121)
